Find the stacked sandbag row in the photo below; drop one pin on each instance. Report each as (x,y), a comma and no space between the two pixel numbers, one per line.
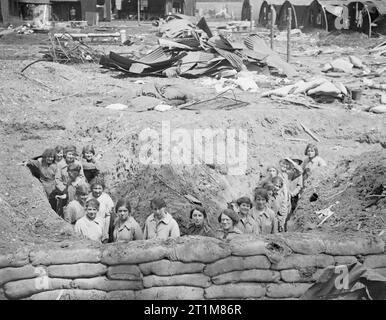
(280,266)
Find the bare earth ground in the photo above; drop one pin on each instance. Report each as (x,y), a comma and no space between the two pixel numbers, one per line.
(31,121)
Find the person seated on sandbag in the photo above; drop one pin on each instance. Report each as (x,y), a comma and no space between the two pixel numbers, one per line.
(228,220)
(126,228)
(160,224)
(280,204)
(106,205)
(247,223)
(76,208)
(263,215)
(59,153)
(90,164)
(44,168)
(199,224)
(90,226)
(312,161)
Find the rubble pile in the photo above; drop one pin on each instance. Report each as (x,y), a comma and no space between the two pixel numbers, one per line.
(192,50)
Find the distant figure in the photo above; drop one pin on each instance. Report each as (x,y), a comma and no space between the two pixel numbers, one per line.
(228,220)
(199,223)
(72,14)
(313,161)
(125,227)
(160,224)
(90,227)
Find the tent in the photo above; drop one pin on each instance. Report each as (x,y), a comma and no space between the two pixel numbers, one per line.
(360,19)
(265,11)
(377,11)
(323,14)
(298,8)
(246,9)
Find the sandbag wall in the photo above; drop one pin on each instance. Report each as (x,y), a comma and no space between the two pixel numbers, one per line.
(280,266)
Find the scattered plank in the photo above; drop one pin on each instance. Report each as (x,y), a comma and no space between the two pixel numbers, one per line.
(308,131)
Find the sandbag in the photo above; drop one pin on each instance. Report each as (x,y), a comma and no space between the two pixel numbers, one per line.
(280,92)
(169,268)
(134,252)
(296,261)
(69,295)
(65,256)
(326,89)
(339,260)
(190,280)
(375,261)
(12,274)
(354,246)
(198,249)
(24,288)
(235,291)
(248,247)
(104,284)
(2,295)
(287,290)
(254,275)
(302,243)
(293,275)
(303,87)
(120,295)
(170,293)
(341,65)
(124,272)
(14,260)
(378,109)
(356,62)
(236,264)
(381,271)
(79,270)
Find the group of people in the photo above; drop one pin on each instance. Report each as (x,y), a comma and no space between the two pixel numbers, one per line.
(76,191)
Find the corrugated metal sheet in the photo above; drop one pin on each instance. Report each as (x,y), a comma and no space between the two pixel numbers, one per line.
(157,55)
(234,59)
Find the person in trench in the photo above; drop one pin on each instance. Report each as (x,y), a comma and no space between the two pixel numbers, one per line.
(90,226)
(76,208)
(228,220)
(199,223)
(160,224)
(313,161)
(265,218)
(126,228)
(281,202)
(90,164)
(106,208)
(247,223)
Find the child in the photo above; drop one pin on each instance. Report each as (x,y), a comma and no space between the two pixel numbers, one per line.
(90,166)
(264,216)
(125,226)
(76,208)
(89,226)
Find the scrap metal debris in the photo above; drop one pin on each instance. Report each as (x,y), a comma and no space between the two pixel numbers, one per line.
(191,50)
(67,50)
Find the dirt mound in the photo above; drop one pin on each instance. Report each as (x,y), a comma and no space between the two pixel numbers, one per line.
(349,188)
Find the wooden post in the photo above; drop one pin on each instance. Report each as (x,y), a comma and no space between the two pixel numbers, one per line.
(108,10)
(272,24)
(251,19)
(139,11)
(289,16)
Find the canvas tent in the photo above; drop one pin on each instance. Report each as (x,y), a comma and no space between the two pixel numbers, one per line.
(298,8)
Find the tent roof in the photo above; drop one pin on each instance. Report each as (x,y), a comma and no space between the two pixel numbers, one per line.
(35,1)
(300,2)
(379,4)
